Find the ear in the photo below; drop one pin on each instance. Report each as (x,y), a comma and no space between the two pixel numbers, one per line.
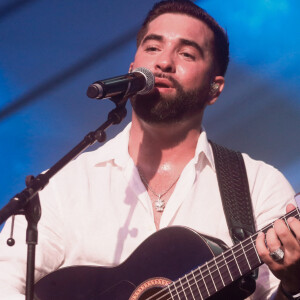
(217,87)
(130,67)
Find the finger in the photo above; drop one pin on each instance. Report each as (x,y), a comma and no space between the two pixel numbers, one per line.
(290,207)
(272,240)
(261,247)
(295,226)
(285,235)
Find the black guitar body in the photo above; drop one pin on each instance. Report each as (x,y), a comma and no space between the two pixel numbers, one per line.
(167,255)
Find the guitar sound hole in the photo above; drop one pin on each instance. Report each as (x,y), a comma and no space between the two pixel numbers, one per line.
(152,291)
(149,288)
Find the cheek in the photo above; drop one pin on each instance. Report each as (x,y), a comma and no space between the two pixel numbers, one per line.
(141,60)
(188,77)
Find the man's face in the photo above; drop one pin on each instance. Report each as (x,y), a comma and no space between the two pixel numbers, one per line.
(178,50)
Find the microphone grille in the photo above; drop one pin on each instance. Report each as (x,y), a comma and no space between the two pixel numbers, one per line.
(149,80)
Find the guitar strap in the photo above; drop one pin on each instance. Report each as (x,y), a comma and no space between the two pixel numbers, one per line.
(236,199)
(234,190)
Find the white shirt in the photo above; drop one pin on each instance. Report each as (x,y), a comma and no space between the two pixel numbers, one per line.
(96,211)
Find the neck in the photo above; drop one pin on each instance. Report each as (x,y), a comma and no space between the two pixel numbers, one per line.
(165,146)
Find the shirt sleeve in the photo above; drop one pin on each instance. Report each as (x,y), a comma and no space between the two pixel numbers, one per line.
(270,193)
(49,251)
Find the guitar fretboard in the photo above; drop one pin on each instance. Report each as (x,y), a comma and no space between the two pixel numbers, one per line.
(219,272)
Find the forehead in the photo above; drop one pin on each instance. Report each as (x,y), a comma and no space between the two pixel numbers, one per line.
(176,26)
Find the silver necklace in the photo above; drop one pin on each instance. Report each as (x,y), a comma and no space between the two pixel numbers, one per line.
(159,202)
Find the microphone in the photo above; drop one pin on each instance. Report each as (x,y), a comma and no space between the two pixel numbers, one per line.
(140,81)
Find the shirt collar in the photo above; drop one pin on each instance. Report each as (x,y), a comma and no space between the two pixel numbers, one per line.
(117,149)
(204,148)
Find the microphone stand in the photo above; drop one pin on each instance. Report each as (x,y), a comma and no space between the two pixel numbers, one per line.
(27,202)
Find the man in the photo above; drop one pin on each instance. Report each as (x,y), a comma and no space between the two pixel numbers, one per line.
(159,172)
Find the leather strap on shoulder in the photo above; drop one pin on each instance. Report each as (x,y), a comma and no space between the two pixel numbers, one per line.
(235,194)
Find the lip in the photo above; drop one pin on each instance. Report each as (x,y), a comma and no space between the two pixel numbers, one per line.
(163,83)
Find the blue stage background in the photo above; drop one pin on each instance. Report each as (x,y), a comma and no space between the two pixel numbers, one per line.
(50,51)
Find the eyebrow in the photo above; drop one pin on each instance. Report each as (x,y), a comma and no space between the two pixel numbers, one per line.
(192,44)
(185,42)
(151,37)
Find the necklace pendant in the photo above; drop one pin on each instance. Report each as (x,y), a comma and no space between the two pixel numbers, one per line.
(159,205)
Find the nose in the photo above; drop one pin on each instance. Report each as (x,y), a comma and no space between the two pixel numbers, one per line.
(165,62)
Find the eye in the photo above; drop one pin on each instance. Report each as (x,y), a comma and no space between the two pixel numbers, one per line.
(188,55)
(151,49)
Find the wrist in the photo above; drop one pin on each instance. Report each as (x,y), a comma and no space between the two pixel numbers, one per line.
(289,295)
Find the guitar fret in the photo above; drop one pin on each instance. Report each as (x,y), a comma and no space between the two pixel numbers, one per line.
(211,277)
(220,275)
(294,213)
(241,258)
(223,270)
(189,286)
(215,275)
(285,220)
(246,257)
(258,261)
(210,282)
(193,273)
(204,281)
(176,296)
(229,266)
(182,288)
(170,291)
(194,285)
(298,212)
(226,265)
(232,265)
(236,262)
(176,291)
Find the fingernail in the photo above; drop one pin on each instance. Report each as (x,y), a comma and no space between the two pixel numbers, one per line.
(290,219)
(260,234)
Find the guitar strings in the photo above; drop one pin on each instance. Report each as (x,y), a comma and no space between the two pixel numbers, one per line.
(188,288)
(214,287)
(217,266)
(196,280)
(183,288)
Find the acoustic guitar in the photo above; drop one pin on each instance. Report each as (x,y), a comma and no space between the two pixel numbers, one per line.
(174,263)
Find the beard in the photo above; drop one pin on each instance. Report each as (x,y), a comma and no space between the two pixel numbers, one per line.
(167,109)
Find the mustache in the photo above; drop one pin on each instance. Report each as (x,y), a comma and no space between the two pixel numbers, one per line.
(175,83)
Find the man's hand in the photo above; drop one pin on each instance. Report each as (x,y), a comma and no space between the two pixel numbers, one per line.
(288,268)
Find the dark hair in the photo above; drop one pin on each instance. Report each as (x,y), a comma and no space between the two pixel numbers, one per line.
(221,44)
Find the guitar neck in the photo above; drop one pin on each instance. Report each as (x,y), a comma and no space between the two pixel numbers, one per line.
(223,269)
